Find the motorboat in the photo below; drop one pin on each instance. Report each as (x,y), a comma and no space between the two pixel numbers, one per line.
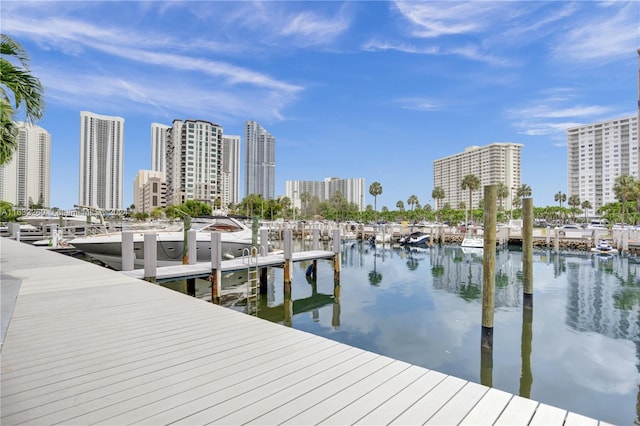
(415,239)
(472,241)
(604,247)
(236,238)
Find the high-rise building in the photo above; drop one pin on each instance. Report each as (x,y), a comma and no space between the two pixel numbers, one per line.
(194,164)
(140,189)
(230,170)
(101,161)
(154,194)
(492,164)
(158,146)
(351,189)
(260,161)
(597,154)
(24,181)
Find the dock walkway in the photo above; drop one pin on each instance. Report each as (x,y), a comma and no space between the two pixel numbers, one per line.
(88,345)
(203,269)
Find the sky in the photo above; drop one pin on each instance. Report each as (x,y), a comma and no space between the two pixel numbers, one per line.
(356,89)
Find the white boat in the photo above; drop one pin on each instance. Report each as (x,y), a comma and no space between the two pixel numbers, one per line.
(604,247)
(235,236)
(415,238)
(472,241)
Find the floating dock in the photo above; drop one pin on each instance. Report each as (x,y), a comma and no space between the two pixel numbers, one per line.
(83,345)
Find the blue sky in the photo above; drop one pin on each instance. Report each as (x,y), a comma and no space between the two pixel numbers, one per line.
(350,89)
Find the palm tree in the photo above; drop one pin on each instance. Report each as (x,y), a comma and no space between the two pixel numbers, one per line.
(472,183)
(560,197)
(412,201)
(438,194)
(305,197)
(375,189)
(574,202)
(623,188)
(524,191)
(586,205)
(19,88)
(502,193)
(400,205)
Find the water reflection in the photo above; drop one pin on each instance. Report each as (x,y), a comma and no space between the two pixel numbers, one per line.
(578,349)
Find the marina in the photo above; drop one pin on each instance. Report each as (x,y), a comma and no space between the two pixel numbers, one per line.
(85,344)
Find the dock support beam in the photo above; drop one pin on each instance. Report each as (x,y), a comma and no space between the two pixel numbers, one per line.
(489,264)
(150,256)
(264,242)
(192,253)
(527,251)
(336,254)
(127,253)
(216,260)
(287,245)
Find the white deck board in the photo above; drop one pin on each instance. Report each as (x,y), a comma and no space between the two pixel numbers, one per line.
(431,402)
(547,415)
(518,411)
(488,409)
(574,419)
(88,345)
(459,405)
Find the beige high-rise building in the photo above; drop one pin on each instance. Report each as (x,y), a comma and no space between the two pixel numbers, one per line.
(194,163)
(492,164)
(597,154)
(25,180)
(142,200)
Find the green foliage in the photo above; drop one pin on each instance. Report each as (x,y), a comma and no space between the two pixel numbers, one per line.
(7,212)
(19,88)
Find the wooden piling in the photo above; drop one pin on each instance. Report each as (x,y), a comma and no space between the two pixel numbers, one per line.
(150,256)
(315,245)
(191,287)
(527,248)
(216,261)
(287,245)
(489,264)
(127,252)
(336,251)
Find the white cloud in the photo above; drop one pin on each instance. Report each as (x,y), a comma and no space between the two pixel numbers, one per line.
(611,33)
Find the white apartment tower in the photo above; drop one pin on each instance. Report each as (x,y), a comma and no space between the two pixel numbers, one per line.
(158,146)
(492,164)
(230,170)
(101,161)
(351,189)
(260,161)
(193,162)
(24,181)
(597,154)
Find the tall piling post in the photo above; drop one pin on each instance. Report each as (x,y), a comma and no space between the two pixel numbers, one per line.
(315,245)
(216,263)
(127,251)
(192,247)
(150,256)
(336,254)
(489,264)
(287,246)
(527,251)
(264,242)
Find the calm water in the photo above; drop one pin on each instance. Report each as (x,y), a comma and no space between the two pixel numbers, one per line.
(580,351)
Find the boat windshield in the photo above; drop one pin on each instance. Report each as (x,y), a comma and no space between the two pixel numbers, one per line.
(219,224)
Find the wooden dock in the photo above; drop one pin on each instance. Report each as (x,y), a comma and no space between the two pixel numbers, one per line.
(203,269)
(88,345)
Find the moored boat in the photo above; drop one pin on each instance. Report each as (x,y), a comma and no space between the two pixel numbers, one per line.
(235,237)
(604,247)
